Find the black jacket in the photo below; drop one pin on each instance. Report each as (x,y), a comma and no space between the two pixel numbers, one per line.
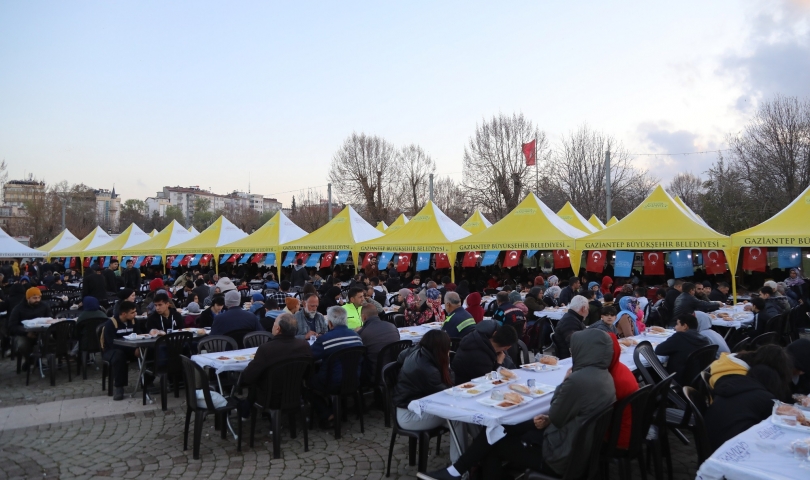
(376,334)
(205,319)
(717,296)
(762,317)
(740,402)
(688,304)
(132,278)
(113,329)
(299,276)
(570,322)
(419,376)
(110,280)
(566,295)
(459,323)
(94,285)
(677,348)
(475,356)
(24,311)
(283,347)
(173,322)
(669,300)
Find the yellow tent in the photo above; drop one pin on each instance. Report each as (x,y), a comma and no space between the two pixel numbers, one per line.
(60,242)
(218,234)
(130,237)
(343,232)
(476,223)
(575,219)
(397,224)
(172,235)
(193,230)
(430,230)
(530,226)
(153,232)
(268,238)
(381,226)
(613,221)
(594,220)
(94,239)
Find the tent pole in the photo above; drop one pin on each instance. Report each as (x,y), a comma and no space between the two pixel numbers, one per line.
(452,256)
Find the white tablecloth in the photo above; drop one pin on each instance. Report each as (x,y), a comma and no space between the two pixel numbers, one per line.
(551,313)
(740,317)
(415,333)
(761,452)
(210,360)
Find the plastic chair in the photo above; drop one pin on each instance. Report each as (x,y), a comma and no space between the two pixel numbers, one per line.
(388,354)
(196,379)
(216,343)
(520,353)
(420,438)
(106,369)
(697,405)
(697,361)
(56,344)
(349,360)
(399,320)
(588,444)
(658,444)
(278,392)
(89,342)
(770,338)
(742,345)
(256,339)
(174,344)
(642,418)
(239,336)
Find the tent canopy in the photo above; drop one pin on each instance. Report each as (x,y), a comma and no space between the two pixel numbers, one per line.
(194,231)
(381,226)
(279,229)
(172,235)
(594,220)
(575,219)
(60,242)
(130,237)
(659,223)
(397,224)
(218,234)
(343,232)
(788,228)
(613,221)
(476,223)
(153,232)
(10,248)
(93,239)
(430,230)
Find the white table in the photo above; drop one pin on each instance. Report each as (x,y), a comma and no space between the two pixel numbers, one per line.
(551,313)
(219,366)
(761,452)
(416,332)
(740,317)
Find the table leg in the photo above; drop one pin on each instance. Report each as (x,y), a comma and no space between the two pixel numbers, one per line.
(227,417)
(453,437)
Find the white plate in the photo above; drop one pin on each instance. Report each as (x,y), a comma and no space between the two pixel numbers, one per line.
(539,390)
(461,392)
(494,403)
(777,420)
(540,367)
(491,383)
(227,359)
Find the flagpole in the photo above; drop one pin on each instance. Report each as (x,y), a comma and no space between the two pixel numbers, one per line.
(536,175)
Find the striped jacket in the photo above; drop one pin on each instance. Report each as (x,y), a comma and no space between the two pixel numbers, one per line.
(335,340)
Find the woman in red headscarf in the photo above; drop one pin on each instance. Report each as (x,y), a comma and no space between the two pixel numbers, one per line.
(474,307)
(626,384)
(607,282)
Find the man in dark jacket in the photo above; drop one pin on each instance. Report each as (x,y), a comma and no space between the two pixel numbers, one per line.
(165,317)
(201,290)
(32,307)
(719,294)
(235,318)
(799,352)
(375,335)
(110,278)
(507,313)
(299,276)
(132,276)
(457,321)
(672,294)
(482,352)
(763,313)
(688,304)
(567,294)
(118,356)
(572,321)
(283,347)
(93,285)
(686,340)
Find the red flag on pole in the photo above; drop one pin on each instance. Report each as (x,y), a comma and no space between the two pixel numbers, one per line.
(442,261)
(403,262)
(596,261)
(714,261)
(87,261)
(146,261)
(302,256)
(561,259)
(170,260)
(72,262)
(185,260)
(529,153)
(205,259)
(755,259)
(367,258)
(654,263)
(511,258)
(257,258)
(470,259)
(326,260)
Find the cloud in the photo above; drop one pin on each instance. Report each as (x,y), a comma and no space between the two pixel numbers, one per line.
(660,137)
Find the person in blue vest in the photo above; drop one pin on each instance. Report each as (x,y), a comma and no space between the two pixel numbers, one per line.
(457,321)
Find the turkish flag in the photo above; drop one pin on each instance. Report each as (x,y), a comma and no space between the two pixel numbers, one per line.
(512,258)
(529,153)
(442,261)
(755,259)
(470,259)
(87,261)
(561,259)
(72,262)
(654,263)
(403,262)
(302,256)
(185,260)
(233,258)
(170,260)
(101,261)
(596,261)
(205,259)
(146,261)
(367,258)
(714,261)
(257,258)
(326,260)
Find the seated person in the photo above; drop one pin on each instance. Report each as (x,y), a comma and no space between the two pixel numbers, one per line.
(763,312)
(507,313)
(235,318)
(371,301)
(91,309)
(257,305)
(714,338)
(339,337)
(483,351)
(680,345)
(206,317)
(570,322)
(165,317)
(458,322)
(192,314)
(118,356)
(32,307)
(375,335)
(474,307)
(607,321)
(271,314)
(799,352)
(309,319)
(546,441)
(594,308)
(626,318)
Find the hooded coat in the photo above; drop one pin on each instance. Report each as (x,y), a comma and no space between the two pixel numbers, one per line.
(299,276)
(799,352)
(419,376)
(474,306)
(714,338)
(585,393)
(475,356)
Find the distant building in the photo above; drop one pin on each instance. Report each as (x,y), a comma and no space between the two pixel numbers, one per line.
(8,215)
(185,198)
(108,208)
(17,192)
(157,204)
(271,205)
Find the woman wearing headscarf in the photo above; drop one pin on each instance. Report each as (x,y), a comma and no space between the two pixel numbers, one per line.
(597,292)
(514,297)
(626,318)
(607,282)
(474,307)
(432,309)
(795,283)
(553,281)
(412,308)
(551,296)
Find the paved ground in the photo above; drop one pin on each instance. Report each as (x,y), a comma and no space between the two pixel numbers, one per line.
(128,440)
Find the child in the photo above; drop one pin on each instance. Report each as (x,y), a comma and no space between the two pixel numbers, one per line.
(608,319)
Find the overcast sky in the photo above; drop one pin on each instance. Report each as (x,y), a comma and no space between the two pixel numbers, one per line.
(218,94)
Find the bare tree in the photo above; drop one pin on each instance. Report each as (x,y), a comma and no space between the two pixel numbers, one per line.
(365,173)
(578,170)
(311,212)
(416,167)
(726,203)
(496,177)
(450,199)
(689,187)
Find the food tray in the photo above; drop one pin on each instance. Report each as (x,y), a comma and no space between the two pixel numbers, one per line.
(474,391)
(540,367)
(489,402)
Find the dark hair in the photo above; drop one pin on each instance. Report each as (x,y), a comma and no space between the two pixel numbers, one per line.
(776,358)
(354,291)
(445,279)
(309,288)
(641,291)
(758,302)
(572,280)
(661,292)
(688,287)
(300,261)
(688,320)
(608,297)
(199,282)
(437,342)
(766,289)
(130,260)
(218,299)
(608,311)
(374,281)
(161,297)
(707,284)
(126,306)
(678,282)
(588,294)
(284,285)
(505,336)
(189,284)
(269,304)
(722,285)
(502,297)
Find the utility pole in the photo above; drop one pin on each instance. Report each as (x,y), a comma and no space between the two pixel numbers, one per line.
(329,194)
(516,186)
(607,185)
(430,186)
(379,195)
